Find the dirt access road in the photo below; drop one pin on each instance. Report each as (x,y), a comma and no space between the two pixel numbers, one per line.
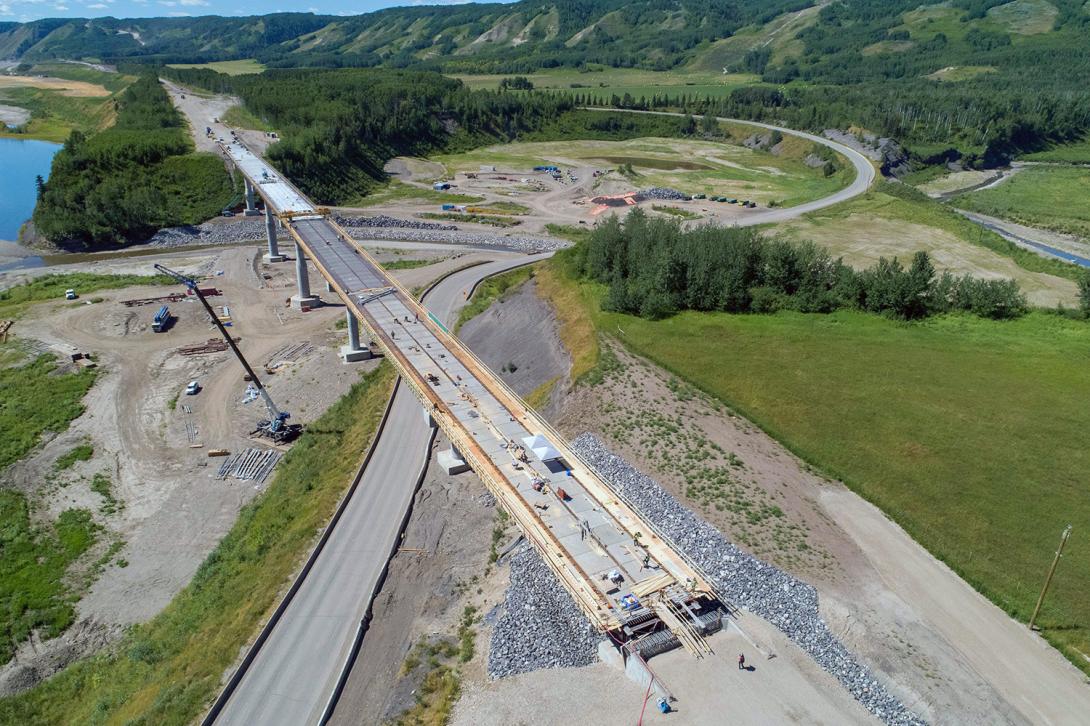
(202,109)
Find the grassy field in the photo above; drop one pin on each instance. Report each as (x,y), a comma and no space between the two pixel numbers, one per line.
(677,212)
(14,300)
(1048,197)
(692,166)
(396,191)
(69,97)
(953,74)
(167,671)
(37,399)
(1025,17)
(34,593)
(1074,153)
(879,224)
(243,118)
(231,68)
(575,233)
(970,433)
(408,264)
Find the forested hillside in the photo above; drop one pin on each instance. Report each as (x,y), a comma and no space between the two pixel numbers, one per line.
(658,33)
(847,41)
(980,80)
(130,180)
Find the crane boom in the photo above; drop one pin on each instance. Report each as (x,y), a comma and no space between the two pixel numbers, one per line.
(275,414)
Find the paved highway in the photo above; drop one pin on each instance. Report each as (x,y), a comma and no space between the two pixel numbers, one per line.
(295,672)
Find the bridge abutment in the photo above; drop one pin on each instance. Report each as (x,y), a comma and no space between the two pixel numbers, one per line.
(452,461)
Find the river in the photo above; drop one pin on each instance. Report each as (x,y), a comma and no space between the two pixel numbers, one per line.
(21,160)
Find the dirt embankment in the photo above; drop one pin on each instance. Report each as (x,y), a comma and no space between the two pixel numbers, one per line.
(518,337)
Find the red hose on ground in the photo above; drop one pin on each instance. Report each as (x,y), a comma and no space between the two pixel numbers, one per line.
(645,697)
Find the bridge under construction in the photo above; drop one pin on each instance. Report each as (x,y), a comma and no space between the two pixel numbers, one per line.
(627,578)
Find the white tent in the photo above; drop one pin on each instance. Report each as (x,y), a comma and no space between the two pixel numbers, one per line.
(541,447)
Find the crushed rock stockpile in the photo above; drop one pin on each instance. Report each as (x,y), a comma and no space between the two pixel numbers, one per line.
(473,239)
(656,193)
(663,193)
(743,580)
(382,220)
(361,228)
(541,626)
(206,233)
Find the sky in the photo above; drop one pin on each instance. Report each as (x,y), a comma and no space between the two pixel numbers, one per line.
(24,10)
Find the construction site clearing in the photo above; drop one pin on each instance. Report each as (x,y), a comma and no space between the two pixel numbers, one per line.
(535,197)
(162,449)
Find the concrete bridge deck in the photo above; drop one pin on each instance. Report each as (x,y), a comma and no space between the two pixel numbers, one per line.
(600,548)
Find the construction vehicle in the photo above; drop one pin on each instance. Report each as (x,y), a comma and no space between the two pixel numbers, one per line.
(161,322)
(276,427)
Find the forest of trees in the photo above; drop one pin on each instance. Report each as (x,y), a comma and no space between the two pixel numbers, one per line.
(654,268)
(984,122)
(126,182)
(340,126)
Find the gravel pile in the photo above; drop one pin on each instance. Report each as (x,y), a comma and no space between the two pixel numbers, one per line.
(745,582)
(367,228)
(382,220)
(473,239)
(362,228)
(663,193)
(540,625)
(249,230)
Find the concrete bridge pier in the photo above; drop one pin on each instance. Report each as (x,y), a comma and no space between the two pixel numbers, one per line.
(251,201)
(303,300)
(354,351)
(273,255)
(452,461)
